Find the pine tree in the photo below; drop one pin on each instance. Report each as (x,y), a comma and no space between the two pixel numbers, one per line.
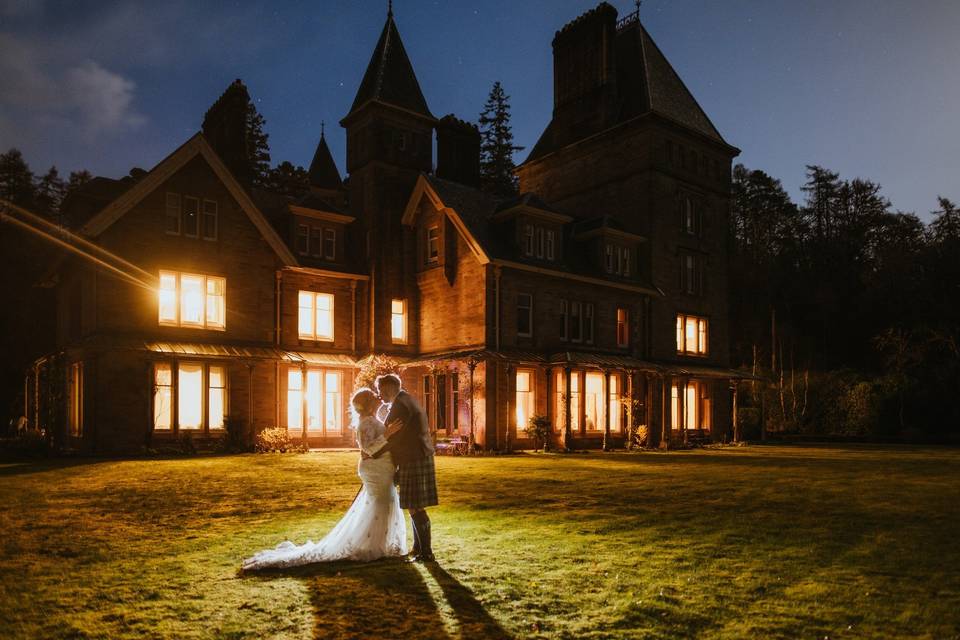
(496,145)
(51,190)
(288,179)
(257,147)
(16,179)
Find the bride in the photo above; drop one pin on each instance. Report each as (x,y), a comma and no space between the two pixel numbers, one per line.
(373,527)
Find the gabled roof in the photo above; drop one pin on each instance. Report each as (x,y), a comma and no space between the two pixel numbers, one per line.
(390,78)
(195,146)
(323,171)
(646,84)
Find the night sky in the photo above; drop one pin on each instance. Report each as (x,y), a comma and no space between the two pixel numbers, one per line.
(865,87)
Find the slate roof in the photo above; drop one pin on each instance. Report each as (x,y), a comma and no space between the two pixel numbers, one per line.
(323,171)
(474,207)
(390,77)
(646,83)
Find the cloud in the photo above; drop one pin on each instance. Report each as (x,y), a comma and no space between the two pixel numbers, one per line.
(43,92)
(20,8)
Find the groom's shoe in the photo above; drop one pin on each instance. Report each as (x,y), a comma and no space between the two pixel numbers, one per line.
(415,551)
(422,527)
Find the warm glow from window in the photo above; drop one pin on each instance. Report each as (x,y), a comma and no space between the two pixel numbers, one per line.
(398,320)
(574,401)
(615,408)
(691,335)
(217,397)
(323,399)
(190,300)
(190,396)
(315,315)
(526,407)
(623,333)
(594,401)
(76,399)
(696,412)
(162,396)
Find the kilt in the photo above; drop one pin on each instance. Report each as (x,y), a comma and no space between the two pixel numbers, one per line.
(418,484)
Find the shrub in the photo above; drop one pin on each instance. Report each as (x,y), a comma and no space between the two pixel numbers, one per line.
(538,428)
(374,366)
(277,440)
(233,441)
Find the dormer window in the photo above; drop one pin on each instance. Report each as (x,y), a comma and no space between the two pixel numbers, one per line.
(540,242)
(617,259)
(330,244)
(550,244)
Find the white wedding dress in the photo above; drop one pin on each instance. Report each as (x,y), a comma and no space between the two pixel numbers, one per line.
(372,528)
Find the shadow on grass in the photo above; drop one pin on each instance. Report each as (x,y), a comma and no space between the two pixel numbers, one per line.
(390,599)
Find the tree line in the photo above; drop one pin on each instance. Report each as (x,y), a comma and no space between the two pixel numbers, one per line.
(849,309)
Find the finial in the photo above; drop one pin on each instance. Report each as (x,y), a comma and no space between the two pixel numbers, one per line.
(322,128)
(389,8)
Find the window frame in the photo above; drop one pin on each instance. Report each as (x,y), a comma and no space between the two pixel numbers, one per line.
(402,317)
(330,244)
(433,244)
(623,327)
(313,335)
(184,214)
(205,324)
(173,396)
(528,306)
(701,335)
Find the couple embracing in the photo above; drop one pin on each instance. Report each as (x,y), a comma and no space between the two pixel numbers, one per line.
(401,452)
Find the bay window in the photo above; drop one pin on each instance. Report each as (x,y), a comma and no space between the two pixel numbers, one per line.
(525,400)
(201,396)
(314,402)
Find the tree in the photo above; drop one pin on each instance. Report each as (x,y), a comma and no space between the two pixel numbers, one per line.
(16,179)
(51,190)
(257,146)
(946,221)
(288,180)
(496,145)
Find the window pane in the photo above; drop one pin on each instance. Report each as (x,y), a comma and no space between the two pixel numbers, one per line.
(162,396)
(191,300)
(332,415)
(679,333)
(525,400)
(398,325)
(702,335)
(305,322)
(190,396)
(295,399)
(191,215)
(594,401)
(173,213)
(303,239)
(314,398)
(615,407)
(691,335)
(209,220)
(324,316)
(690,406)
(316,241)
(561,400)
(217,402)
(330,244)
(674,408)
(216,302)
(523,381)
(168,297)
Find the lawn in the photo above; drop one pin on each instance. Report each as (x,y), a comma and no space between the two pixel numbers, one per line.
(761,541)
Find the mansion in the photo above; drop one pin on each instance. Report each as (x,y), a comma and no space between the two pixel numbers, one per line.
(597,297)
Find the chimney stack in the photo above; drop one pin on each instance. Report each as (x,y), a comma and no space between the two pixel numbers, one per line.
(458,151)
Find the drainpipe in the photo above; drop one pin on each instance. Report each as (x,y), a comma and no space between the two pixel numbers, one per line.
(276,304)
(353,316)
(496,306)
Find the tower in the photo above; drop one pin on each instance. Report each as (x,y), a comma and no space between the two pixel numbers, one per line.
(389,143)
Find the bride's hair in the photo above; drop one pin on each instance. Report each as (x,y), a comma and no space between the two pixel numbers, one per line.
(363,400)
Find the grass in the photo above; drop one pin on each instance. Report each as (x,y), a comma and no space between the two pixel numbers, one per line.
(764,541)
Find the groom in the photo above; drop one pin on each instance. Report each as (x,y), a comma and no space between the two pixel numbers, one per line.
(412,448)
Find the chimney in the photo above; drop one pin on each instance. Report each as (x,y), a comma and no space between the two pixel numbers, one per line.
(584,74)
(225,128)
(458,151)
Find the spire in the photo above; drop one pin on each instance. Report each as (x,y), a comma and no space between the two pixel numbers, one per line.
(323,172)
(390,77)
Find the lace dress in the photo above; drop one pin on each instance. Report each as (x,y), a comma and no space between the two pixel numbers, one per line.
(372,528)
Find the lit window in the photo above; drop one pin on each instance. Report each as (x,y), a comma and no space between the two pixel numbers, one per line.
(295,399)
(550,244)
(162,396)
(594,400)
(314,401)
(696,412)
(332,420)
(691,335)
(528,239)
(623,328)
(76,399)
(526,407)
(303,239)
(524,315)
(615,406)
(330,244)
(190,396)
(173,214)
(191,300)
(575,401)
(398,321)
(561,399)
(209,220)
(216,397)
(433,244)
(315,315)
(191,216)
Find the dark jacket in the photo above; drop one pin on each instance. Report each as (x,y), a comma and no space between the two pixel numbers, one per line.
(413,442)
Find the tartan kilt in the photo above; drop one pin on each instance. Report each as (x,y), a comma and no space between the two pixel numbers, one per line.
(418,484)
